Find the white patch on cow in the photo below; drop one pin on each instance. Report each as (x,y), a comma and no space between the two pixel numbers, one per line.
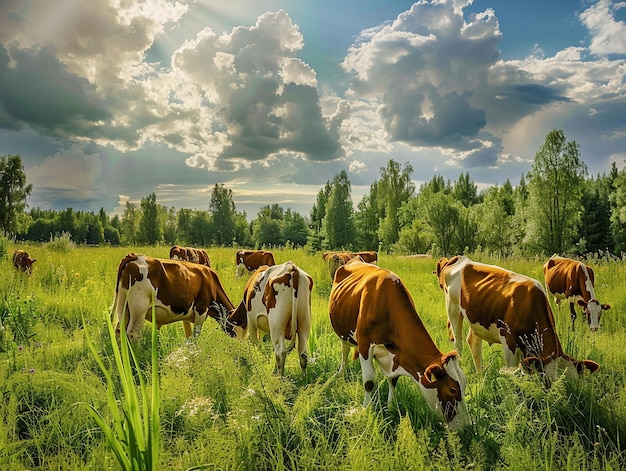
(490,335)
(594,308)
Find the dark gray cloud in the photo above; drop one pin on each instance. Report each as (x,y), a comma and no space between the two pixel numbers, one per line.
(62,104)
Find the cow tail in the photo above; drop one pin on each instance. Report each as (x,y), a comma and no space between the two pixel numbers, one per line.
(295,281)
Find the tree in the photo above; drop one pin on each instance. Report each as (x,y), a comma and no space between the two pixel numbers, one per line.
(556,184)
(266,228)
(130,224)
(366,220)
(465,190)
(495,220)
(295,229)
(618,214)
(222,209)
(338,225)
(150,228)
(13,192)
(443,214)
(394,188)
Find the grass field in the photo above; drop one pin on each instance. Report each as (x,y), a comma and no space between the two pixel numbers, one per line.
(221,407)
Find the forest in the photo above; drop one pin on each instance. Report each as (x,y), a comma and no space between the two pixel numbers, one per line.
(557,207)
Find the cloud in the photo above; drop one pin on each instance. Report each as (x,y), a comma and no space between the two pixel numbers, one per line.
(51,179)
(421,72)
(608,35)
(264,100)
(357,167)
(62,104)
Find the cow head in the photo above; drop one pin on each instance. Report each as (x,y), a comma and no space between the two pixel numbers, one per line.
(223,319)
(593,309)
(443,386)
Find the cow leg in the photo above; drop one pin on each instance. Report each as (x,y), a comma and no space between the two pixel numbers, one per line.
(139,309)
(280,352)
(187,328)
(476,347)
(385,360)
(572,313)
(303,329)
(455,322)
(253,330)
(345,353)
(303,340)
(369,377)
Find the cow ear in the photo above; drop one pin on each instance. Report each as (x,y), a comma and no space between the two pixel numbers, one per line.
(431,375)
(606,307)
(581,303)
(534,364)
(589,365)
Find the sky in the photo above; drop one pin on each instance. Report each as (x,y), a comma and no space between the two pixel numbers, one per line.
(107,102)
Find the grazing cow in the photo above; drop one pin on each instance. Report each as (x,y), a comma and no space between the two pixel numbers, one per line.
(179,291)
(277,300)
(190,254)
(370,308)
(573,280)
(250,260)
(503,307)
(337,259)
(22,260)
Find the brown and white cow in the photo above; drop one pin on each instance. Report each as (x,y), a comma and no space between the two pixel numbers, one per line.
(573,280)
(180,291)
(503,307)
(370,308)
(335,259)
(277,300)
(250,260)
(190,254)
(22,260)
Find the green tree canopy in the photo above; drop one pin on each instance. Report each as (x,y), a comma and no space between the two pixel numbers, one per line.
(13,192)
(556,184)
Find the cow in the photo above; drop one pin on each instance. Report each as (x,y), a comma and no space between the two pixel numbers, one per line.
(250,260)
(178,290)
(503,307)
(370,308)
(277,300)
(336,259)
(574,281)
(22,260)
(190,254)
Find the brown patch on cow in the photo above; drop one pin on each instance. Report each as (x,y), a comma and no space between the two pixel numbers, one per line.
(269,297)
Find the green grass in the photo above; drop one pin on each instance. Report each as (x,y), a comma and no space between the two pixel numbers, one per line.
(220,407)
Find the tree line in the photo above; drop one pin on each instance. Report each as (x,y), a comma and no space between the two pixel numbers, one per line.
(555,208)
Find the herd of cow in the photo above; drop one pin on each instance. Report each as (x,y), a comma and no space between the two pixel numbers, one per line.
(370,309)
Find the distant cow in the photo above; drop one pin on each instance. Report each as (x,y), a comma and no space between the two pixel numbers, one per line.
(22,260)
(503,307)
(250,260)
(190,254)
(370,308)
(277,300)
(574,281)
(179,291)
(336,259)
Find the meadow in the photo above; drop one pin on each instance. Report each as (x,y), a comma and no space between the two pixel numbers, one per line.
(222,408)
